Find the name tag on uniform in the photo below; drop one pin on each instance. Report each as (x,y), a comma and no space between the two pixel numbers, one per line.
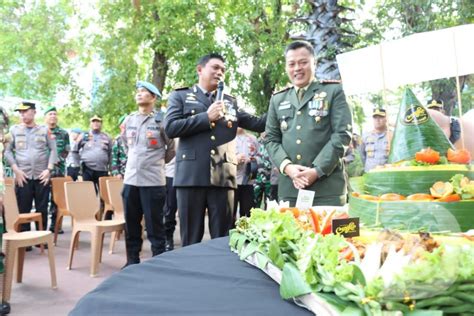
(284,105)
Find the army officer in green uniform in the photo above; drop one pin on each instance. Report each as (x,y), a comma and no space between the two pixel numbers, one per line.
(309,128)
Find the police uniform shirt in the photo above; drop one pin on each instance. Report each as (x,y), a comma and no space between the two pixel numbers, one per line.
(31,149)
(96,151)
(148,150)
(375,149)
(73,159)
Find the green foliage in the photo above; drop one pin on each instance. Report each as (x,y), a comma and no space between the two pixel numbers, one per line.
(260,30)
(34,48)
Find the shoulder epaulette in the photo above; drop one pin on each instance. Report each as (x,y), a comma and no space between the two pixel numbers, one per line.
(182,88)
(283,90)
(330,81)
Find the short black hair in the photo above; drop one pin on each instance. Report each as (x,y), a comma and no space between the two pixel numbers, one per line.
(299,44)
(205,59)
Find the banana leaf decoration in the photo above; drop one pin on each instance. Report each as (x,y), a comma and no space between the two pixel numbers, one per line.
(410,180)
(415,130)
(414,216)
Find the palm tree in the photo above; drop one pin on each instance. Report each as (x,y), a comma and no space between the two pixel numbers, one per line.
(328,32)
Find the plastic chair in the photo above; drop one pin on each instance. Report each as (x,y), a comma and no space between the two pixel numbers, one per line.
(83,203)
(13,217)
(114,190)
(15,242)
(104,195)
(9,180)
(59,198)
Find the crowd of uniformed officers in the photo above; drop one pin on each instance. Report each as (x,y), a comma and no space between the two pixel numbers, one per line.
(308,130)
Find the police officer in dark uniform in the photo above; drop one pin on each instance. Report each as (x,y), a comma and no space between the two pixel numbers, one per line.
(309,129)
(206,160)
(144,190)
(32,155)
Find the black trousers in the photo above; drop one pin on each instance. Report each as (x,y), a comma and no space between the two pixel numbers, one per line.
(73,172)
(192,204)
(33,190)
(171,206)
(92,175)
(147,202)
(245,199)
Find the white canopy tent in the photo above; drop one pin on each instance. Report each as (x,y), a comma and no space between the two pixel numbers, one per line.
(412,59)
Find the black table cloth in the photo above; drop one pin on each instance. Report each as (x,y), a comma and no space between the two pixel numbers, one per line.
(202,279)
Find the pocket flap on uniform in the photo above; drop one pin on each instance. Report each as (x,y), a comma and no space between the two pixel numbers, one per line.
(191,109)
(188,154)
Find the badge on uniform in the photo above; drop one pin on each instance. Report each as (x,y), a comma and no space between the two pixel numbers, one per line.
(317,106)
(283,124)
(230,113)
(191,98)
(284,105)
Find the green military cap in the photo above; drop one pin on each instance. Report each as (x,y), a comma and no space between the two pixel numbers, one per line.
(96,118)
(50,109)
(25,105)
(435,104)
(379,112)
(121,119)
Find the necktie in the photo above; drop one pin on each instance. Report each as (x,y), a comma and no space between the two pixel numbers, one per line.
(300,94)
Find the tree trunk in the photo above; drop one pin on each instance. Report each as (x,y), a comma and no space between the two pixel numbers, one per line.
(159,69)
(327,34)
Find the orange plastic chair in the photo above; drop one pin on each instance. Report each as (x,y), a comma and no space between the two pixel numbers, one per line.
(9,180)
(14,218)
(104,195)
(15,242)
(114,190)
(83,204)
(59,198)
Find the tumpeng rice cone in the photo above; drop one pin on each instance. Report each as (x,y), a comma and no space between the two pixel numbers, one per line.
(415,130)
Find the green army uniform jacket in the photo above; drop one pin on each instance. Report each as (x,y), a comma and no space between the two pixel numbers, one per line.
(315,133)
(62,147)
(119,157)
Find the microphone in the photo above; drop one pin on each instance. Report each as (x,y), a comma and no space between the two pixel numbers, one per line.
(220,91)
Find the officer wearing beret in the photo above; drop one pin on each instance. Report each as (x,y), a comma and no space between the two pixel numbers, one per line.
(144,190)
(61,137)
(119,156)
(375,146)
(73,160)
(95,149)
(32,154)
(206,163)
(309,128)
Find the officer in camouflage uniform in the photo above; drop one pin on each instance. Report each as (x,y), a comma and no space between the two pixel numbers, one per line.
(119,156)
(262,186)
(32,154)
(309,128)
(144,189)
(62,146)
(375,145)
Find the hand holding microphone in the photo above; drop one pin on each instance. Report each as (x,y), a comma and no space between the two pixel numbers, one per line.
(217,109)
